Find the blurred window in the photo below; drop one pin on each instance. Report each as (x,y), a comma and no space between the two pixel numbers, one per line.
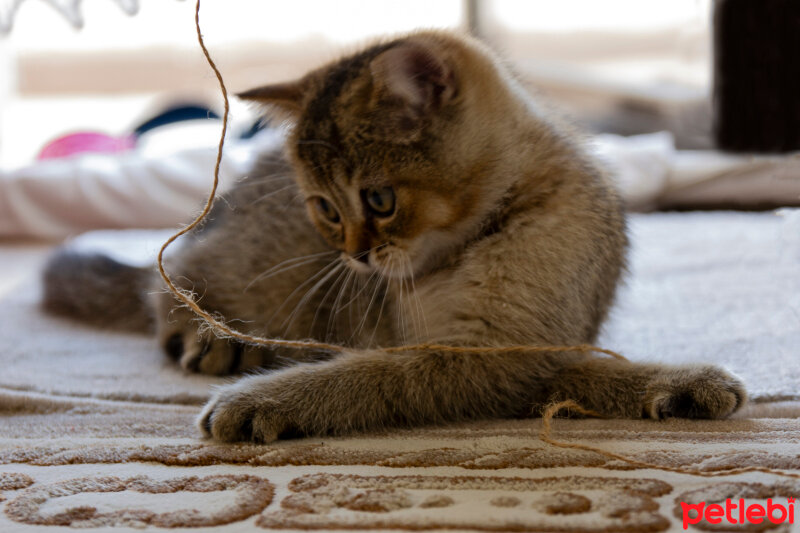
(111,73)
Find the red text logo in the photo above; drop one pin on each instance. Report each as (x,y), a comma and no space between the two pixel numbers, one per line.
(738,512)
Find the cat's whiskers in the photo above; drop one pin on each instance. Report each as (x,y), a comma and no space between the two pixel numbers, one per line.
(263,180)
(288,264)
(406,295)
(373,273)
(272,193)
(380,311)
(361,302)
(321,305)
(300,287)
(408,322)
(361,312)
(402,327)
(289,321)
(356,288)
(332,318)
(420,323)
(376,276)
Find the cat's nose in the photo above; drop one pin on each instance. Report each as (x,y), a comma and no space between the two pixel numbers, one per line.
(358,262)
(356,241)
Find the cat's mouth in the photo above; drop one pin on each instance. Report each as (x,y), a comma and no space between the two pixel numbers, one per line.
(358,264)
(392,263)
(389,262)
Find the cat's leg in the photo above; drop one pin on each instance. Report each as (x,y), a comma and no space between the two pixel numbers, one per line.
(374,389)
(632,390)
(363,390)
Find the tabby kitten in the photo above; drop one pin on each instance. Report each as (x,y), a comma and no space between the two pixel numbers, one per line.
(446,206)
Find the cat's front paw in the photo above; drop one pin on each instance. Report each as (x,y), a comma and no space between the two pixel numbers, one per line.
(244,411)
(196,348)
(693,392)
(203,353)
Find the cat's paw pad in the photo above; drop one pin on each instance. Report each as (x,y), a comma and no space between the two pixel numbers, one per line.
(236,414)
(694,392)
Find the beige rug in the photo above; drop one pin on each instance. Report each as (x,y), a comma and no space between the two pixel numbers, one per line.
(96,428)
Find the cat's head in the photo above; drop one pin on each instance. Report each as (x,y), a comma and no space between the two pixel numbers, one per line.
(392,146)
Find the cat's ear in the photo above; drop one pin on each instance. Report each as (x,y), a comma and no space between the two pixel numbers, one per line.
(417,75)
(284,98)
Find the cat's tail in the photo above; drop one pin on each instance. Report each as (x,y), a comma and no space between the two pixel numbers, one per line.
(96,289)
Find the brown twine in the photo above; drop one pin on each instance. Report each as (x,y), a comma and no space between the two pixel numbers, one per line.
(187,297)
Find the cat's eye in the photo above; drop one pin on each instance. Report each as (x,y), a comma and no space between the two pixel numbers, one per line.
(326,209)
(380,200)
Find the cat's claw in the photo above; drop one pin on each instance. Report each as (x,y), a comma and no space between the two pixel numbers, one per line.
(694,392)
(235,415)
(203,353)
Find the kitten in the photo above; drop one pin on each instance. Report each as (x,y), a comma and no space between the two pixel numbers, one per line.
(423,197)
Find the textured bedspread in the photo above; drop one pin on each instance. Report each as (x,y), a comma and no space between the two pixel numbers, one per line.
(96,428)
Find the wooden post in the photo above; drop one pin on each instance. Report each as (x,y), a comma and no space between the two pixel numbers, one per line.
(757,75)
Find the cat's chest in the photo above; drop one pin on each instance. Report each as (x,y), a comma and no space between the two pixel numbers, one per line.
(482,298)
(440,307)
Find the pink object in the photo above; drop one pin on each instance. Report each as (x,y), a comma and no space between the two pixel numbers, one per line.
(85,142)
